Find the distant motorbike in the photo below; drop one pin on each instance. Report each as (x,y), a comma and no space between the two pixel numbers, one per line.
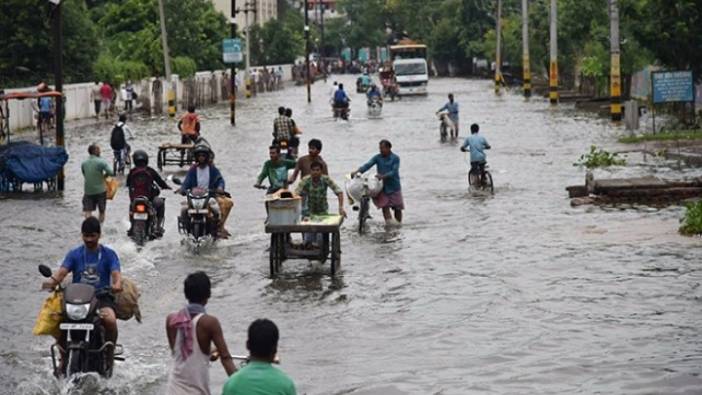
(286,151)
(361,86)
(341,112)
(375,107)
(142,216)
(82,343)
(199,223)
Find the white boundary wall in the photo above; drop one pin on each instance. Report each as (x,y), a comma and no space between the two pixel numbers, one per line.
(79,105)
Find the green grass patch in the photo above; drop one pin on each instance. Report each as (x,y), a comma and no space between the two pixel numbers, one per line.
(664,136)
(599,158)
(692,222)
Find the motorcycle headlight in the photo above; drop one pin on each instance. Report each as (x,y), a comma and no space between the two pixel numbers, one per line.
(199,204)
(77,312)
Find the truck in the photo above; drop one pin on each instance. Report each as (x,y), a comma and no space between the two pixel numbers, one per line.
(409,63)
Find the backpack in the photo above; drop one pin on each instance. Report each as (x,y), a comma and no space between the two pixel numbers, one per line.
(117,140)
(140,183)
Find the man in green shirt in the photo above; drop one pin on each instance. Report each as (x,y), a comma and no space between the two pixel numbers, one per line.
(276,169)
(314,189)
(259,376)
(95,169)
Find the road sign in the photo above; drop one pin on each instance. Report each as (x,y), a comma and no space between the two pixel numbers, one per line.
(232,50)
(672,86)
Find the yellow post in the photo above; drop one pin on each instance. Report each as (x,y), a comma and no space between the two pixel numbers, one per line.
(171,97)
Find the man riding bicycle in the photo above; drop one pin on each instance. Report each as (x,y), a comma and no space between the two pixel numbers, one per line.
(118,141)
(477,144)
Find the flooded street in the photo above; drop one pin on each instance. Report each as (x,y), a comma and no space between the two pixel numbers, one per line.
(514,293)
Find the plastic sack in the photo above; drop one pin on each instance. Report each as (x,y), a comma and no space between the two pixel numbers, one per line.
(127,301)
(111,185)
(50,315)
(354,187)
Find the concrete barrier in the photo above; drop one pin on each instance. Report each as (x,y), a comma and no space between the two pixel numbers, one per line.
(204,88)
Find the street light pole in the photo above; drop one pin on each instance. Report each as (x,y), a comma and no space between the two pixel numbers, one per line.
(526,67)
(321,39)
(553,70)
(307,52)
(615,85)
(498,48)
(232,82)
(170,95)
(58,81)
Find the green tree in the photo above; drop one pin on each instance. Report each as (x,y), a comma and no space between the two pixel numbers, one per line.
(672,32)
(26,53)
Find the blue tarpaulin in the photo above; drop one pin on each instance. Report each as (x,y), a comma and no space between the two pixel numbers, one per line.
(31,163)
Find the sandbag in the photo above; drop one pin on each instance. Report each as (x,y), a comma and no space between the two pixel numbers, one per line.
(111,185)
(354,187)
(50,315)
(127,301)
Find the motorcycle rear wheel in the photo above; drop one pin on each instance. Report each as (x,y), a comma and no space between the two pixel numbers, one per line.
(139,232)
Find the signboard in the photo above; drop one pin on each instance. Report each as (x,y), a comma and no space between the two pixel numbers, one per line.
(232,50)
(346,54)
(383,54)
(363,55)
(672,86)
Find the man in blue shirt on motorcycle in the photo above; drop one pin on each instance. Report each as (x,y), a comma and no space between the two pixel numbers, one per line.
(97,265)
(374,94)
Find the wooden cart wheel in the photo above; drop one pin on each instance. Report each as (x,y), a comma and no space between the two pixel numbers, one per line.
(273,255)
(159,159)
(282,240)
(335,253)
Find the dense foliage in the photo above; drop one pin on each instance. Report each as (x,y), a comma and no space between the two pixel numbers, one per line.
(108,39)
(458,30)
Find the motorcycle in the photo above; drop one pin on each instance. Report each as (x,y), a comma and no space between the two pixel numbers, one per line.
(143,219)
(286,151)
(361,87)
(341,112)
(200,222)
(375,107)
(82,343)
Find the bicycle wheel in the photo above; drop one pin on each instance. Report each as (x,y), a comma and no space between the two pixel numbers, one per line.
(442,132)
(488,183)
(473,178)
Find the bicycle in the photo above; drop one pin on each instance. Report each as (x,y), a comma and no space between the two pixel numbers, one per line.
(363,206)
(481,179)
(121,161)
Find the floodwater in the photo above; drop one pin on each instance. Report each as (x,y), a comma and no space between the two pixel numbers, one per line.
(510,294)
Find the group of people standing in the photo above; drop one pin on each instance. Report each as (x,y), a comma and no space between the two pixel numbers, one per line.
(104,98)
(265,80)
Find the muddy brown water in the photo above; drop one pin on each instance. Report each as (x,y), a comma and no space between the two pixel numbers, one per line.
(516,293)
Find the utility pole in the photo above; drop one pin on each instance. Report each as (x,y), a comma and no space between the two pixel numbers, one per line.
(58,81)
(171,94)
(553,70)
(307,52)
(615,85)
(526,68)
(498,48)
(322,52)
(232,82)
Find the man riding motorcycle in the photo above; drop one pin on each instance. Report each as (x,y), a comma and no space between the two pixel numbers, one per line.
(341,99)
(374,94)
(141,180)
(97,265)
(205,175)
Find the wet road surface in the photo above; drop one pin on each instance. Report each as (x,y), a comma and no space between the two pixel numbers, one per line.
(516,293)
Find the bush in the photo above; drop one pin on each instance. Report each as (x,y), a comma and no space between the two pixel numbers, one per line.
(107,68)
(692,222)
(599,158)
(183,66)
